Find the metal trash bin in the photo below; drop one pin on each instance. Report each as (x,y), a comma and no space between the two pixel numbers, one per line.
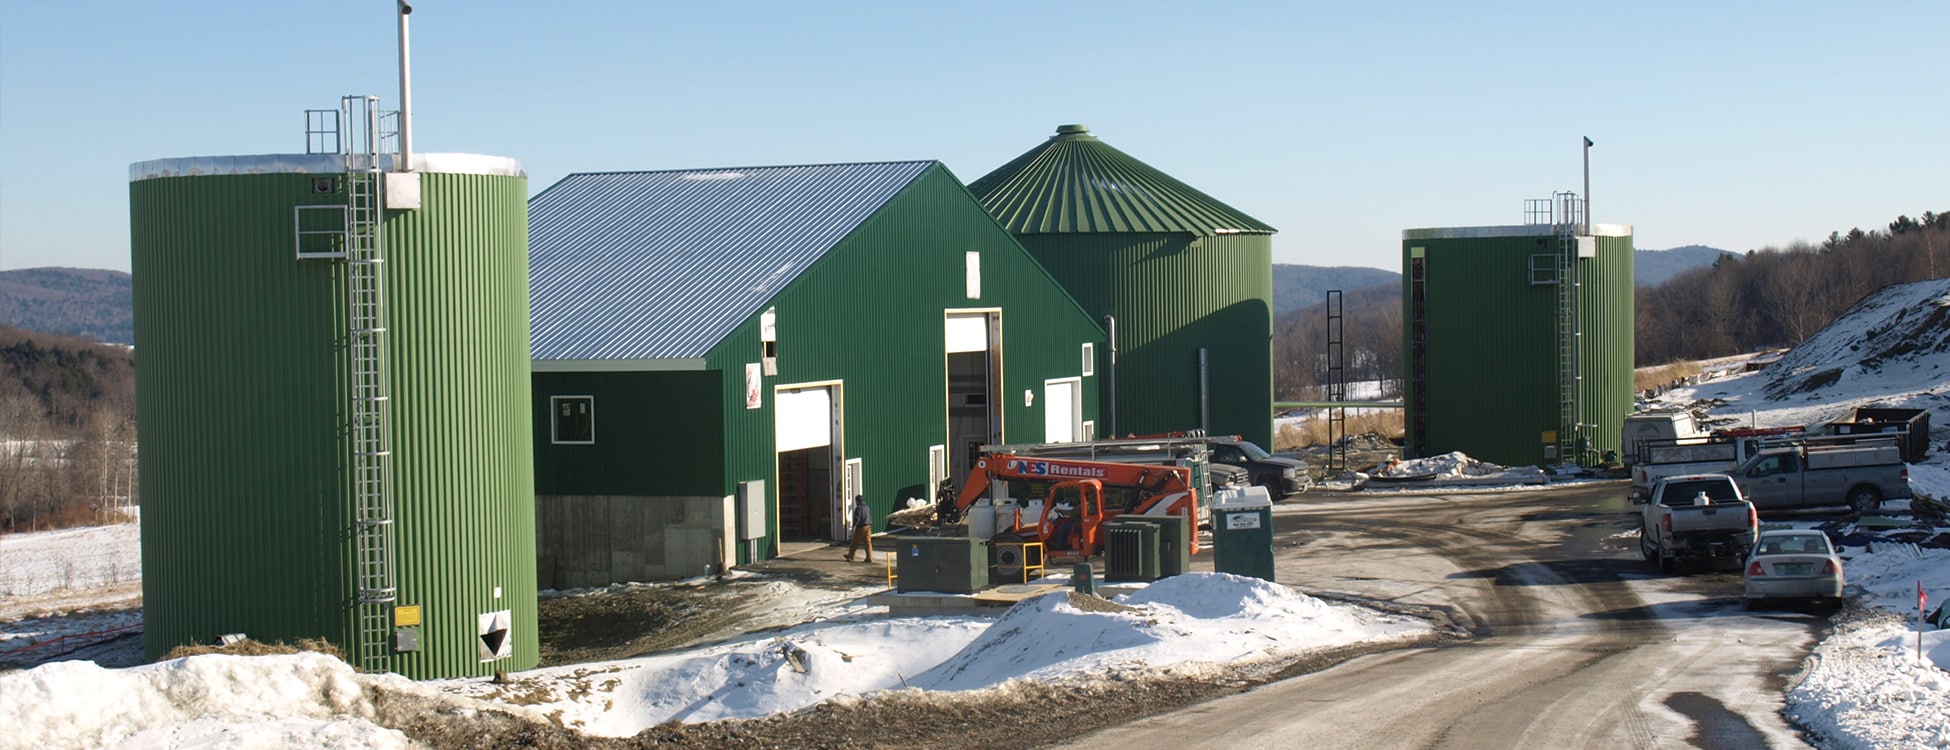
(1130,550)
(1242,533)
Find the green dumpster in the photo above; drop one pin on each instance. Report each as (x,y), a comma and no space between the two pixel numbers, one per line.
(1242,533)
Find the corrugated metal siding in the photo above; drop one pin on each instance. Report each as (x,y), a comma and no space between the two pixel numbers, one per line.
(1173,294)
(247,520)
(870,313)
(1492,347)
(1074,182)
(646,265)
(1609,341)
(242,506)
(457,276)
(677,417)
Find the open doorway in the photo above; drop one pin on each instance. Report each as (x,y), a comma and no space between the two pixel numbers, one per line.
(807,429)
(974,386)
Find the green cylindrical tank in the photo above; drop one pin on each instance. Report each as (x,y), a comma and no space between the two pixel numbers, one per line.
(1187,278)
(248,518)
(1481,334)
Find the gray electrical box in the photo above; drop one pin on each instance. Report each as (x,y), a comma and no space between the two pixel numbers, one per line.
(751,509)
(952,564)
(1130,550)
(1174,545)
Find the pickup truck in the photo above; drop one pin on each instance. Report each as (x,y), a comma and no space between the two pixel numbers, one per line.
(1724,452)
(1696,518)
(1280,475)
(1859,476)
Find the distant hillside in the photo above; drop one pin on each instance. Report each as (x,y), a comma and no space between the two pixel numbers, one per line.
(69,301)
(1654,267)
(1295,287)
(59,382)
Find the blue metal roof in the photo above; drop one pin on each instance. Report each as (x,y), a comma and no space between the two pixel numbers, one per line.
(663,265)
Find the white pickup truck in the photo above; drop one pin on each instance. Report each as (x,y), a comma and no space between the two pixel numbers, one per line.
(1658,461)
(1696,518)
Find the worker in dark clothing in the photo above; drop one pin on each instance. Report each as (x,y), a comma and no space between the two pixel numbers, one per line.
(1063,533)
(862,521)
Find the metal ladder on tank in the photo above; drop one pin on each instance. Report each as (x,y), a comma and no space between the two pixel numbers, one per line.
(1336,384)
(370,408)
(1570,335)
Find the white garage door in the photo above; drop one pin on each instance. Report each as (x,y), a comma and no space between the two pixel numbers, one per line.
(803,419)
(968,333)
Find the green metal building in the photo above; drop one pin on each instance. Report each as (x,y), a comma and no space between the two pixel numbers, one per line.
(1505,361)
(1185,281)
(334,401)
(723,357)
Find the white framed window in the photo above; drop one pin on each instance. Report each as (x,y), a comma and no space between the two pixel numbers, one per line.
(1089,359)
(768,339)
(974,263)
(572,420)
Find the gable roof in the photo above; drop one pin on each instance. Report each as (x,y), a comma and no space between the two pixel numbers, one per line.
(1074,183)
(663,265)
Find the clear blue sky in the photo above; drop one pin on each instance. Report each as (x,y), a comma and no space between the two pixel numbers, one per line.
(1733,124)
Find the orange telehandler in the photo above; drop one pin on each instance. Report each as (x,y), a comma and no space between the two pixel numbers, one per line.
(1097,491)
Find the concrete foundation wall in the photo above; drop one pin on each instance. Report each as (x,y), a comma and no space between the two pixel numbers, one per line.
(597,540)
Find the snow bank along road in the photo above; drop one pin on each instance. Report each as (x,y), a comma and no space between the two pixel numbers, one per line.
(1578,643)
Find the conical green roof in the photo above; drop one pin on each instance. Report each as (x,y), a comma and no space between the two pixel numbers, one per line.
(1074,183)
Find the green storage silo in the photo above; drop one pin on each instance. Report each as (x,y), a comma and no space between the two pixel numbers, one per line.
(1187,279)
(334,407)
(1505,362)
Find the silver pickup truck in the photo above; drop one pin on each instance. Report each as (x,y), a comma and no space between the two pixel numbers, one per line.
(1696,518)
(1860,476)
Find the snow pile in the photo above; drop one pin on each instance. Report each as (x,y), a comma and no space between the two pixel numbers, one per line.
(208,701)
(1865,687)
(1453,465)
(1930,481)
(1175,626)
(1456,468)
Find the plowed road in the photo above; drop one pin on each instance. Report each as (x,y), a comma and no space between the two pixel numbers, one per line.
(1577,642)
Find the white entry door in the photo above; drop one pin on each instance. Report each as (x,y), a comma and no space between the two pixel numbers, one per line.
(1062,410)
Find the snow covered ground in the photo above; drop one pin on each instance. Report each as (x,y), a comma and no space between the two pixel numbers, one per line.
(1183,625)
(1865,685)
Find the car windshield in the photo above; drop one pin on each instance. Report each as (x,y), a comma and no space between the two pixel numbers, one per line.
(1254,452)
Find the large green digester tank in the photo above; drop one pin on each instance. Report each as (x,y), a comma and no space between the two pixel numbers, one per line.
(334,407)
(1184,281)
(1507,359)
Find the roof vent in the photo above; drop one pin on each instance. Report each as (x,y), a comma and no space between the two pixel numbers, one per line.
(1072,129)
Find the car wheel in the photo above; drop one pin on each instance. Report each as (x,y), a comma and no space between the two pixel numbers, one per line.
(1272,487)
(1749,603)
(1864,499)
(1645,546)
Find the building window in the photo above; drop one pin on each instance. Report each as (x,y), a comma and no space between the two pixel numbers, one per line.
(574,419)
(1089,360)
(768,337)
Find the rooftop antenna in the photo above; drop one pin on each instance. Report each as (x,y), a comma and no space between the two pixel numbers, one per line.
(406,93)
